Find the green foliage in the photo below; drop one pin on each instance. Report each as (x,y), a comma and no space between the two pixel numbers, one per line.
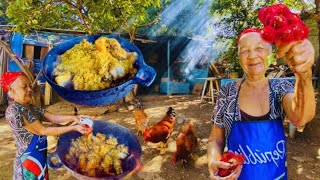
(91,16)
(3,7)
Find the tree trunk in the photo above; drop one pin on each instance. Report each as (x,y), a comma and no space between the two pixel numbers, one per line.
(317,2)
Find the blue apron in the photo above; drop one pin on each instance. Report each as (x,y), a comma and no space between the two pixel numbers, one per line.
(34,159)
(262,143)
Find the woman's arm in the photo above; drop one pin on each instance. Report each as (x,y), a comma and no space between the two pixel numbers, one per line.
(38,128)
(216,144)
(299,106)
(56,118)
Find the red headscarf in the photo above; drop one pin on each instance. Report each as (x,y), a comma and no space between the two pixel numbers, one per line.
(8,78)
(249,30)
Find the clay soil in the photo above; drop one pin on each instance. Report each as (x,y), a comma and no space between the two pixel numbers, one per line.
(303,150)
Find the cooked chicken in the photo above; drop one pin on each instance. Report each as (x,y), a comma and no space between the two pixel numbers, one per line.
(95,67)
(97,154)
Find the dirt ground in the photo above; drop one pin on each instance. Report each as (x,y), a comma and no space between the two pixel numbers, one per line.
(303,150)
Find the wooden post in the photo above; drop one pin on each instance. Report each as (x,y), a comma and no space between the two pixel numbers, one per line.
(168,62)
(47,94)
(29,51)
(44,51)
(48,88)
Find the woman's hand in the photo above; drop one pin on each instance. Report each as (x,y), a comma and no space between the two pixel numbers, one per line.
(80,128)
(214,167)
(299,56)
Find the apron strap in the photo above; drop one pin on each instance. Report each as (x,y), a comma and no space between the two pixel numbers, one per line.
(237,96)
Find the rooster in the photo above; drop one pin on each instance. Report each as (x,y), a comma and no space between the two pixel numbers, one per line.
(186,141)
(140,117)
(161,131)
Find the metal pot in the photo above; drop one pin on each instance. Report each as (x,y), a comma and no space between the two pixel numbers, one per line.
(144,76)
(123,135)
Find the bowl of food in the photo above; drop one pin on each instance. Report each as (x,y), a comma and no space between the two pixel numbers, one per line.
(95,70)
(109,152)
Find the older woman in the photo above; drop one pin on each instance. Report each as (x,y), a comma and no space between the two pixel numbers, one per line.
(26,124)
(249,113)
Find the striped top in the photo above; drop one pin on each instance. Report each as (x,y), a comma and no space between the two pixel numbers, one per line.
(223,112)
(14,116)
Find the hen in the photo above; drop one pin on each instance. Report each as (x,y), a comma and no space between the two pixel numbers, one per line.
(161,131)
(186,141)
(140,117)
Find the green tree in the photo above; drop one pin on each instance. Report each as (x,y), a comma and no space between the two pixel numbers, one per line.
(237,15)
(91,16)
(3,7)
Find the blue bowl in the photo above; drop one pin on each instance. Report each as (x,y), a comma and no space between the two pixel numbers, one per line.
(123,135)
(145,75)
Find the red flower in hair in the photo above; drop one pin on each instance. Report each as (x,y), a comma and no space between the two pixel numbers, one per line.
(268,34)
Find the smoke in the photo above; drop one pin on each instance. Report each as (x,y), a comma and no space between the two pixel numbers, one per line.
(192,19)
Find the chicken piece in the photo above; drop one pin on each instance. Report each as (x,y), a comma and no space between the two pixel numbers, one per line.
(101,45)
(140,117)
(186,141)
(132,56)
(102,137)
(104,149)
(64,78)
(117,70)
(161,131)
(104,44)
(93,161)
(74,144)
(117,166)
(82,162)
(107,164)
(112,141)
(89,139)
(116,50)
(91,173)
(72,150)
(120,152)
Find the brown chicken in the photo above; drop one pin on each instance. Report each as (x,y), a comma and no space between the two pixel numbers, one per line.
(186,141)
(161,131)
(141,118)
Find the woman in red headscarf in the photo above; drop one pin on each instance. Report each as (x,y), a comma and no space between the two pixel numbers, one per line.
(248,116)
(25,120)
